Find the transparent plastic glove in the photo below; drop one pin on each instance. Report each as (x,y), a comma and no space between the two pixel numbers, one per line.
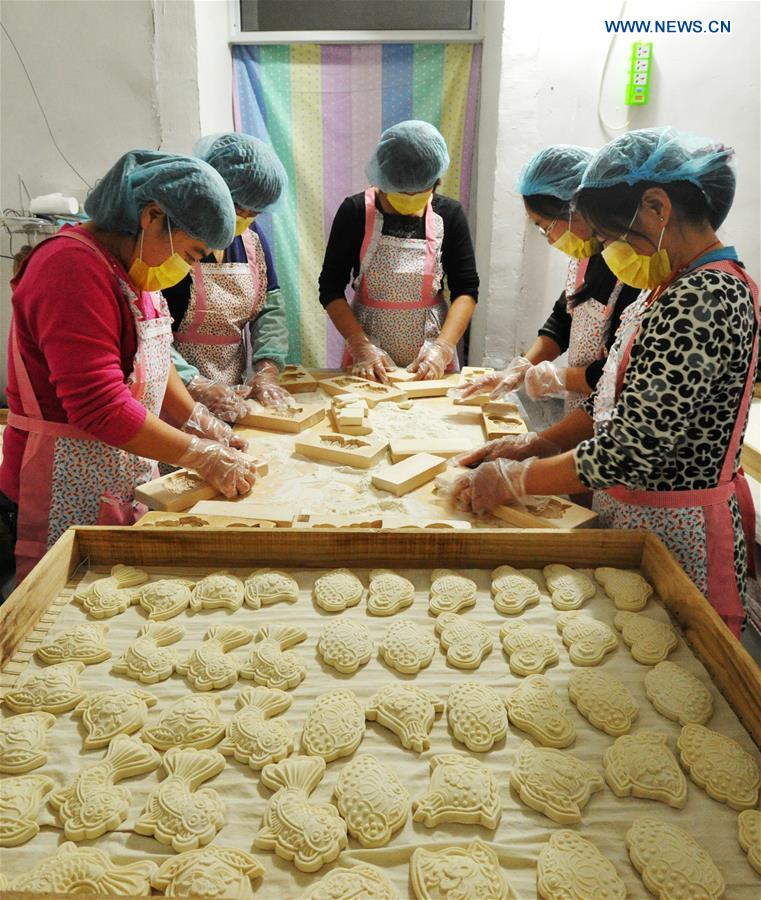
(432,360)
(232,473)
(545,379)
(368,361)
(265,388)
(492,484)
(203,424)
(499,383)
(512,446)
(223,400)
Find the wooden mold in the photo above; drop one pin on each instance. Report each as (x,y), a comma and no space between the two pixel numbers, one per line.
(279,513)
(400,376)
(479,400)
(446,448)
(339,422)
(370,391)
(296,380)
(473,373)
(409,474)
(157,519)
(318,521)
(396,520)
(178,491)
(358,452)
(497,426)
(293,420)
(417,390)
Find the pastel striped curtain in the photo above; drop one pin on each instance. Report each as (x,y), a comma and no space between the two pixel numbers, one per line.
(323,108)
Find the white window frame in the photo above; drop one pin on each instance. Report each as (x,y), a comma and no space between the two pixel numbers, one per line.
(451,36)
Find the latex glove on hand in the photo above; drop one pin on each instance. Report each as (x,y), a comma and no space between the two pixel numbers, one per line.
(264,386)
(499,383)
(432,360)
(492,484)
(223,400)
(545,379)
(511,446)
(368,361)
(203,424)
(227,470)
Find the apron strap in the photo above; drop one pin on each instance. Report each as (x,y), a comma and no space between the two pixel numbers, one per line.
(29,403)
(372,236)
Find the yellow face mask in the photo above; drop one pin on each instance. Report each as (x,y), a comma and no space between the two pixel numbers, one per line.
(572,245)
(409,204)
(156,278)
(636,269)
(242,224)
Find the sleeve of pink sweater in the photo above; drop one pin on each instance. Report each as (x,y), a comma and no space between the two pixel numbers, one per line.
(77,317)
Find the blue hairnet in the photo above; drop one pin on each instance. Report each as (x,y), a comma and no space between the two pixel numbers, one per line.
(410,157)
(555,170)
(191,193)
(251,170)
(665,155)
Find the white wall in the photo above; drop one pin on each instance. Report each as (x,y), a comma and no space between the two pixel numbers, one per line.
(551,59)
(215,72)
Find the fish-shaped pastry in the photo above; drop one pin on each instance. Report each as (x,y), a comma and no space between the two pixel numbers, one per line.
(85,642)
(269,661)
(407,711)
(218,591)
(209,872)
(253,736)
(23,742)
(20,801)
(148,659)
(462,790)
(112,595)
(192,721)
(54,689)
(211,666)
(166,598)
(113,712)
(266,586)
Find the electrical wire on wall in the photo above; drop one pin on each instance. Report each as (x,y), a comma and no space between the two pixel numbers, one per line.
(606,127)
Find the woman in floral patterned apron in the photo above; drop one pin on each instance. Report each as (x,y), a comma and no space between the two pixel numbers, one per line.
(229,313)
(89,367)
(395,243)
(659,441)
(585,317)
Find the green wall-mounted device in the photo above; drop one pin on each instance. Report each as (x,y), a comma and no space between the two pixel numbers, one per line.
(638,88)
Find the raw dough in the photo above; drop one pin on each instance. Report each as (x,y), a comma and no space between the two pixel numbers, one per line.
(20,801)
(603,700)
(209,872)
(554,783)
(211,666)
(269,661)
(337,590)
(147,659)
(569,589)
(535,707)
(458,873)
(166,598)
(476,715)
(334,726)
(587,639)
(309,834)
(345,645)
(86,643)
(628,590)
(466,641)
(720,766)
(528,650)
(363,882)
(54,689)
(110,596)
(372,801)
(649,640)
(108,713)
(641,765)
(450,592)
(571,868)
(251,737)
(389,593)
(749,835)
(407,648)
(24,742)
(462,790)
(267,586)
(678,695)
(218,591)
(407,711)
(513,592)
(192,721)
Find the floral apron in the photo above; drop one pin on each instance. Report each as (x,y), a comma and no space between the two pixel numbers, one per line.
(223,298)
(696,526)
(398,299)
(68,477)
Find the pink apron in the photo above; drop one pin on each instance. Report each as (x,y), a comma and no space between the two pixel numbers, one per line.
(697,525)
(223,298)
(68,477)
(398,300)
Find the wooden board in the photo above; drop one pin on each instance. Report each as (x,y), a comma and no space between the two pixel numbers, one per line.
(370,391)
(409,474)
(497,426)
(357,430)
(415,390)
(294,420)
(400,376)
(474,400)
(180,490)
(297,380)
(324,446)
(279,513)
(446,448)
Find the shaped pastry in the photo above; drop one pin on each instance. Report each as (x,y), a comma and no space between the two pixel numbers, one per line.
(337,590)
(466,642)
(253,737)
(211,666)
(148,659)
(24,742)
(628,590)
(309,834)
(373,802)
(179,812)
(450,592)
(365,882)
(266,586)
(587,639)
(671,863)
(720,766)
(528,650)
(193,721)
(603,700)
(218,591)
(110,596)
(269,661)
(568,588)
(334,726)
(535,708)
(571,868)
(512,591)
(20,801)
(407,648)
(209,872)
(407,711)
(649,640)
(53,690)
(113,712)
(345,645)
(678,695)
(458,873)
(462,790)
(554,783)
(85,643)
(389,593)
(72,868)
(749,835)
(166,598)
(93,804)
(476,715)
(641,765)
